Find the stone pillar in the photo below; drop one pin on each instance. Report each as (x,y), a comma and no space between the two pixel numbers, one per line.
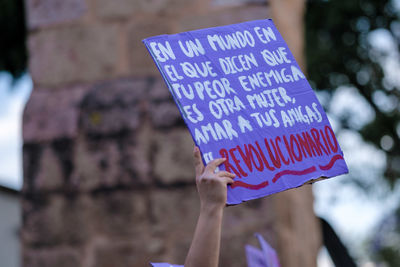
(108,177)
(298,230)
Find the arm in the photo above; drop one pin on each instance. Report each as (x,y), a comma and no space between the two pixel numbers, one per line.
(212,189)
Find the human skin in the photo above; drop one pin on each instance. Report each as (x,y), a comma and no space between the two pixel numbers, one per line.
(212,190)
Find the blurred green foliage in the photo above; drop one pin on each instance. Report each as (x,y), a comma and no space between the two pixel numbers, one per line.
(13,55)
(340,53)
(385,243)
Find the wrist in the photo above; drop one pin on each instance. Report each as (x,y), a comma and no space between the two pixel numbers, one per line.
(212,209)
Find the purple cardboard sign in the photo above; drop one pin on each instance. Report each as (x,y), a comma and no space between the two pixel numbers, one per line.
(271,257)
(266,257)
(164,264)
(255,257)
(244,98)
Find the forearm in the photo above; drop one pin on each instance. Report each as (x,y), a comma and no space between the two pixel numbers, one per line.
(204,250)
(212,188)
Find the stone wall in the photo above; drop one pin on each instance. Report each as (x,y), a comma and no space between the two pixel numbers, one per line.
(108,176)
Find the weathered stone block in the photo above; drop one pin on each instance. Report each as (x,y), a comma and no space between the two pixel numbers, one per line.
(122,214)
(165,214)
(113,107)
(223,17)
(50,173)
(31,156)
(96,164)
(137,153)
(48,12)
(172,224)
(159,90)
(165,114)
(60,257)
(106,163)
(173,157)
(111,121)
(121,253)
(73,54)
(255,215)
(116,9)
(239,225)
(121,9)
(56,220)
(297,235)
(172,7)
(140,59)
(52,114)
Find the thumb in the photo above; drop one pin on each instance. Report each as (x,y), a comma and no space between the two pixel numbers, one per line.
(198,162)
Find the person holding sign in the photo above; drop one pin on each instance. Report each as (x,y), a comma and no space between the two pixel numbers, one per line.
(212,190)
(244,98)
(246,102)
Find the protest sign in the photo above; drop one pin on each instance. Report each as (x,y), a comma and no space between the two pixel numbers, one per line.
(164,264)
(255,257)
(266,257)
(244,98)
(271,257)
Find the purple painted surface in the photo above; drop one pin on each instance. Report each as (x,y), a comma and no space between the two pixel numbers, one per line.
(255,257)
(243,97)
(266,257)
(271,257)
(164,264)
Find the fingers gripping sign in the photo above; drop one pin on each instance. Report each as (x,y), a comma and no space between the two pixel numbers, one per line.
(198,162)
(211,185)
